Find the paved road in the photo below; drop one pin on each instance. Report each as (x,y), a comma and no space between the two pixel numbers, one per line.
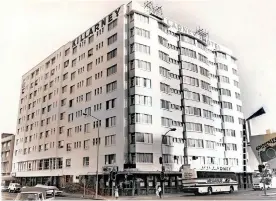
(240,195)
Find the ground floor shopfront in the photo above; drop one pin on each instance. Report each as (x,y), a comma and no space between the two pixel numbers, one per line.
(131,183)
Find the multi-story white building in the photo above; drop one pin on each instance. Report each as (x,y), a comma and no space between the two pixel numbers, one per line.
(139,74)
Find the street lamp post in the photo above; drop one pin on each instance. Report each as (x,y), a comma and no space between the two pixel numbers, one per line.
(97,162)
(256,114)
(162,162)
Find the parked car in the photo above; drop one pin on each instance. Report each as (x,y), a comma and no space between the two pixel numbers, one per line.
(14,187)
(32,193)
(51,190)
(4,188)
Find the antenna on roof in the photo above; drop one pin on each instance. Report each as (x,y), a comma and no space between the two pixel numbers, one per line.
(154,10)
(204,35)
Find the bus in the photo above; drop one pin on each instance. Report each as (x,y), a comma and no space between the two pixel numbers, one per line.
(209,186)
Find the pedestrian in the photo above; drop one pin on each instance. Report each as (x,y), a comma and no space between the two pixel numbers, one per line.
(160,192)
(116,192)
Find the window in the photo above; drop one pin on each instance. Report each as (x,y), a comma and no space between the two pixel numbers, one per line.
(112,39)
(163,41)
(205,86)
(73,75)
(187,39)
(193,127)
(165,104)
(225,92)
(89,81)
(72,89)
(210,144)
(68,146)
(236,83)
(110,140)
(140,118)
(229,132)
(86,144)
(111,87)
(221,55)
(164,72)
(141,18)
(111,70)
(67,51)
(162,27)
(74,50)
(110,122)
(224,79)
(66,63)
(191,95)
(89,66)
(191,81)
(238,96)
(139,32)
(188,52)
(143,65)
(110,159)
(196,143)
(222,66)
(192,111)
(111,54)
(141,138)
(112,24)
(137,47)
(87,128)
(110,104)
(202,58)
(68,162)
(140,82)
(91,39)
(90,52)
(209,129)
(207,114)
(69,132)
(230,146)
(163,56)
(144,157)
(189,66)
(65,76)
(227,118)
(235,72)
(140,100)
(85,161)
(227,105)
(239,108)
(71,103)
(64,89)
(165,88)
(204,72)
(60,144)
(74,62)
(166,122)
(241,121)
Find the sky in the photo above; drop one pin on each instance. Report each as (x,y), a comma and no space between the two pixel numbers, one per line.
(32,29)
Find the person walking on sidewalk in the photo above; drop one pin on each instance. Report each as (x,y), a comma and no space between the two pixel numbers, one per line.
(116,192)
(159,192)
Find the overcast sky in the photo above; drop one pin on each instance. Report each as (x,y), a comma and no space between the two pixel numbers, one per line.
(31,30)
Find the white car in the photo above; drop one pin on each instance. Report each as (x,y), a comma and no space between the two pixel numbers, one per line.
(31,194)
(14,187)
(51,190)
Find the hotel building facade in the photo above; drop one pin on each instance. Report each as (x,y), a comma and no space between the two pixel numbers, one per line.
(139,74)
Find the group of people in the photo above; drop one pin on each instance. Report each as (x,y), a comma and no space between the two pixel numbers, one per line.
(158,192)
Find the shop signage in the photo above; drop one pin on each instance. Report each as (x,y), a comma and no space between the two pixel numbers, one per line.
(114,15)
(215,168)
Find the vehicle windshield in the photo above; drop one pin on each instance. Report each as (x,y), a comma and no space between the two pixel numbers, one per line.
(27,196)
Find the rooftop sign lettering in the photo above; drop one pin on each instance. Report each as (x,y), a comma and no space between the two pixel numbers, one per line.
(112,16)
